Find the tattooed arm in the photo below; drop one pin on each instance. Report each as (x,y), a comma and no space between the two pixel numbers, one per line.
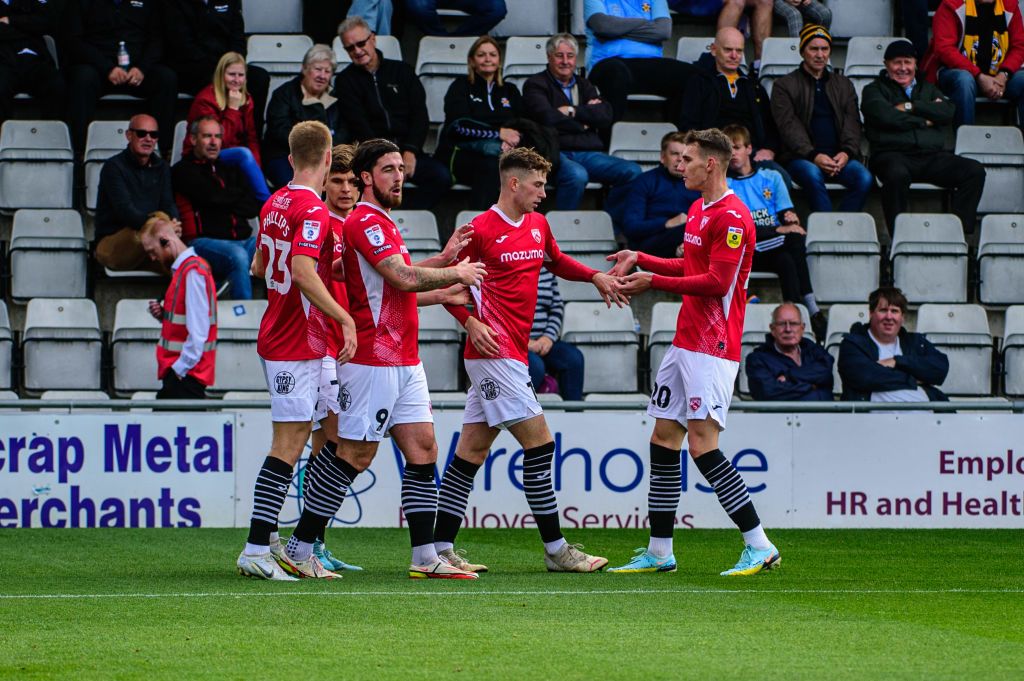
(410,278)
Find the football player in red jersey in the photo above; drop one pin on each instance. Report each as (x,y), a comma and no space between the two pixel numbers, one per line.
(694,383)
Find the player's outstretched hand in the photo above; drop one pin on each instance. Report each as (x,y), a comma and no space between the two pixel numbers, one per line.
(460,239)
(635,283)
(348,347)
(456,294)
(608,286)
(470,273)
(157,310)
(624,261)
(482,337)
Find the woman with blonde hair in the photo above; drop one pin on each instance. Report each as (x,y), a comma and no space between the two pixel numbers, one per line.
(227,99)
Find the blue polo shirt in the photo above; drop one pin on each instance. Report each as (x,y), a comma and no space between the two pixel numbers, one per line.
(623,47)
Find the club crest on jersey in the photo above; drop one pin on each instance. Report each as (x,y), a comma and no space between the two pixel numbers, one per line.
(283,383)
(735,237)
(375,234)
(536,235)
(310,230)
(704,222)
(694,403)
(489,389)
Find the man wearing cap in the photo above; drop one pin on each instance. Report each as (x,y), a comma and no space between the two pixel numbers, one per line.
(907,120)
(815,110)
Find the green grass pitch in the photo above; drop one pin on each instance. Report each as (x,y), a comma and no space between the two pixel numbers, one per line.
(167,604)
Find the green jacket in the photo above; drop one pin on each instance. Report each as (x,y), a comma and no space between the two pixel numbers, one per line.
(890,130)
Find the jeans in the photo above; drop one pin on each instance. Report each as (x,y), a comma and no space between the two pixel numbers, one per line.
(564,361)
(960,86)
(242,158)
(579,167)
(855,177)
(376,14)
(230,259)
(483,15)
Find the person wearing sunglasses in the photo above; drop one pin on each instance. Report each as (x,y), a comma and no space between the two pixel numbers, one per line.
(787,366)
(133,184)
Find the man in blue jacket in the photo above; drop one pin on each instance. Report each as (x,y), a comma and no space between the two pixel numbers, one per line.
(788,366)
(883,362)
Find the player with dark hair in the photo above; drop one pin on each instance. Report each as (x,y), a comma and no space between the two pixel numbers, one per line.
(513,241)
(694,383)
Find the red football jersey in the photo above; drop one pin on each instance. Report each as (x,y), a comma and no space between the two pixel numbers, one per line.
(294,221)
(387,321)
(722,231)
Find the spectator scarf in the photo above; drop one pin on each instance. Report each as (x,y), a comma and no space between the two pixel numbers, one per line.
(978,48)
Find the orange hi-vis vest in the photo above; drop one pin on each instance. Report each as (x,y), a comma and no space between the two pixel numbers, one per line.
(174,332)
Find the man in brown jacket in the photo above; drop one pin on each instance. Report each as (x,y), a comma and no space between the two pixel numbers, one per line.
(815,110)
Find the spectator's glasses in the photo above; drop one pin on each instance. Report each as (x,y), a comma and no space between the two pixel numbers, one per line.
(142,134)
(360,45)
(787,325)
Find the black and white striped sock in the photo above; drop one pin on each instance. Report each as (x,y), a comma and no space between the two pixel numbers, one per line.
(540,494)
(268,497)
(419,502)
(665,489)
(452,499)
(730,489)
(329,479)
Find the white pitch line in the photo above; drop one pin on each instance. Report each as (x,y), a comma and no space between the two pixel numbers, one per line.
(431,594)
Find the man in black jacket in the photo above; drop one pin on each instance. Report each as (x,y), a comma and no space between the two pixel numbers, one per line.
(25,62)
(215,203)
(384,98)
(883,362)
(788,366)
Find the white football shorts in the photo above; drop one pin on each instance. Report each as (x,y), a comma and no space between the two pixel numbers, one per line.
(327,393)
(292,385)
(691,385)
(501,393)
(372,399)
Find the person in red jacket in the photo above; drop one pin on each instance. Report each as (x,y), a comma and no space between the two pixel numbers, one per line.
(977,49)
(228,100)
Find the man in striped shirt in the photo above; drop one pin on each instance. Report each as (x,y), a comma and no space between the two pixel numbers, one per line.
(547,354)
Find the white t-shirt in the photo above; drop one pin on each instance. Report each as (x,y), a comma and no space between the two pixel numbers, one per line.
(888,351)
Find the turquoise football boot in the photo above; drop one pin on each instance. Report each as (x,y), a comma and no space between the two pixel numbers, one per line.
(754,560)
(645,561)
(329,561)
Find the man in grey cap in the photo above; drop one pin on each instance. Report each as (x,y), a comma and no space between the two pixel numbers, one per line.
(907,120)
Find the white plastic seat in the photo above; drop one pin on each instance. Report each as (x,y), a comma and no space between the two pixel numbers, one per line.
(104,139)
(1001,260)
(840,319)
(664,317)
(439,61)
(523,58)
(583,231)
(639,142)
(1001,150)
(528,17)
(578,291)
(44,243)
(962,333)
(440,347)
(272,16)
(36,165)
(608,340)
(387,44)
(133,346)
(843,256)
(861,17)
(756,323)
(180,131)
(1013,350)
(76,396)
(690,49)
(280,55)
(418,229)
(929,258)
(62,344)
(779,56)
(464,216)
(238,366)
(864,60)
(6,346)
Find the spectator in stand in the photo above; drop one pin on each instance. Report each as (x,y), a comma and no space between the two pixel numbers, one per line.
(546,353)
(787,366)
(916,23)
(25,61)
(977,49)
(561,99)
(186,354)
(653,215)
(133,184)
(483,15)
(376,14)
(907,121)
(696,8)
(796,13)
(385,99)
(780,244)
(815,110)
(227,100)
(760,22)
(96,29)
(625,38)
(197,34)
(304,98)
(216,204)
(883,362)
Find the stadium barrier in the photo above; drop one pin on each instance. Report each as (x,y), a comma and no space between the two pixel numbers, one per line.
(812,468)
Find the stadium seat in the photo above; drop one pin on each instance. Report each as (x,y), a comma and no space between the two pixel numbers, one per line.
(576,23)
(49,255)
(1013,351)
(779,56)
(447,396)
(180,131)
(608,340)
(439,61)
(578,292)
(387,44)
(1001,260)
(8,395)
(440,347)
(133,345)
(6,345)
(640,142)
(419,231)
(663,329)
(962,332)
(272,16)
(528,17)
(843,256)
(583,231)
(75,396)
(861,17)
(641,400)
(238,366)
(690,49)
(280,55)
(523,58)
(929,258)
(1001,150)
(864,60)
(103,140)
(755,325)
(465,216)
(36,165)
(840,319)
(62,345)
